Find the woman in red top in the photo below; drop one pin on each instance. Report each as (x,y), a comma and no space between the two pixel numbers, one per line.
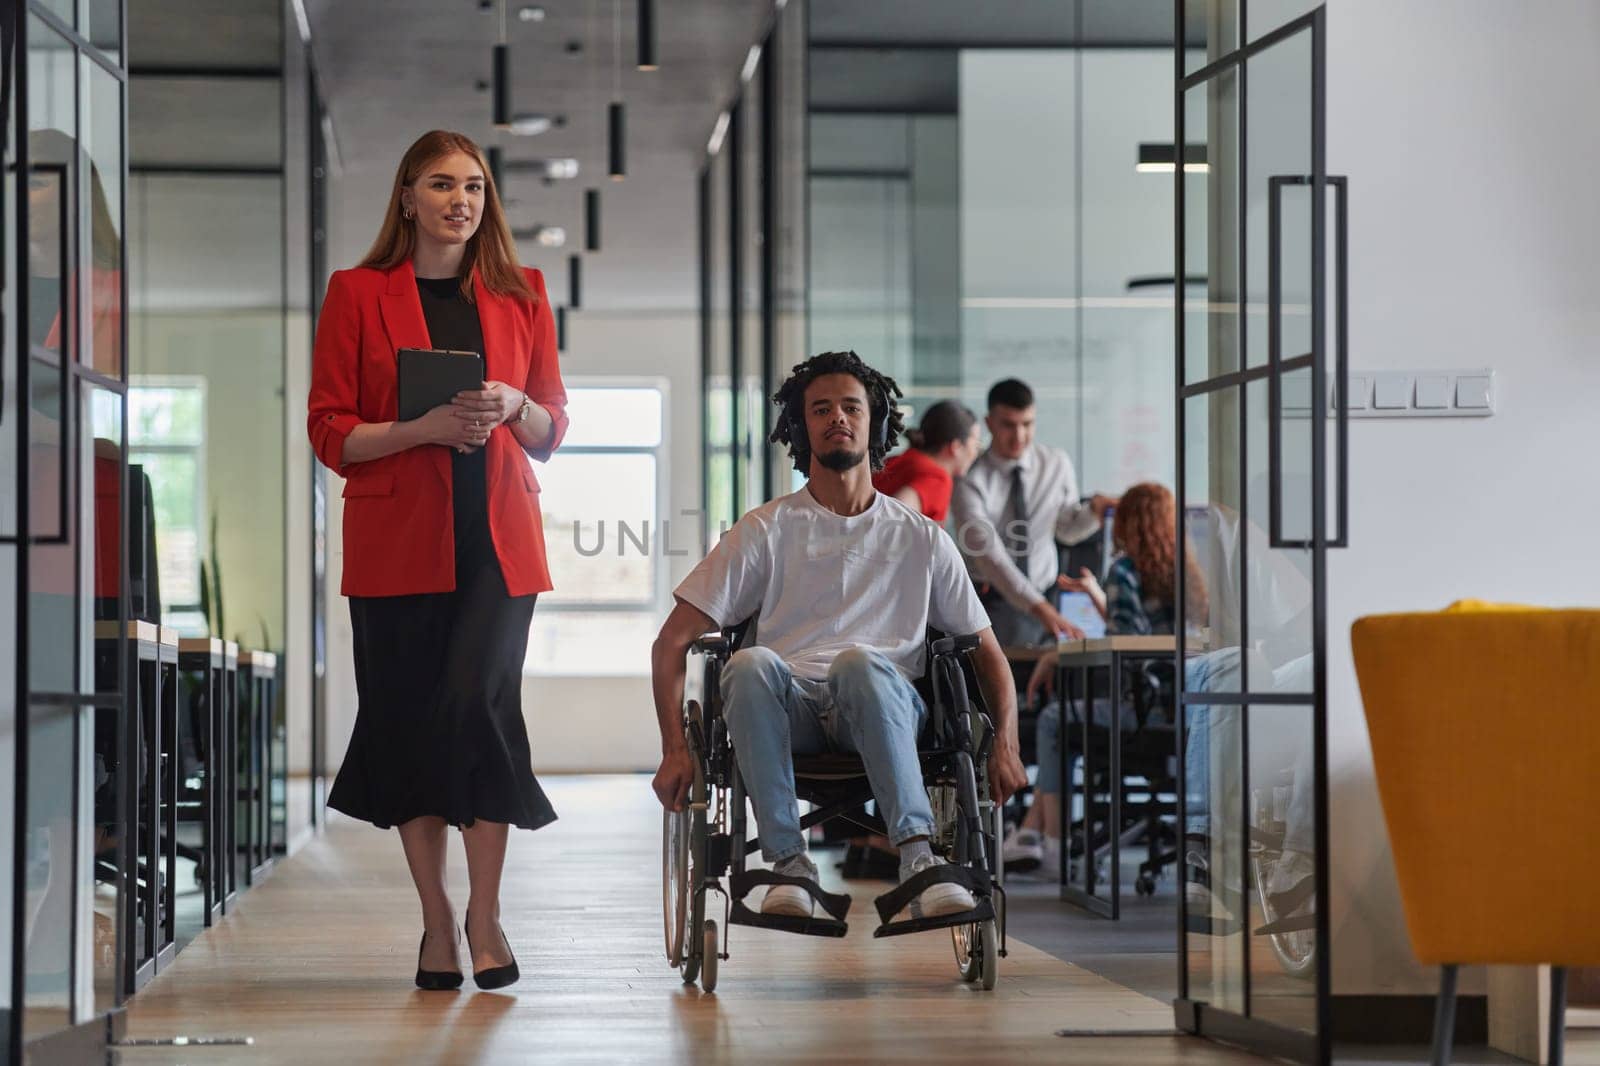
(942,448)
(443,542)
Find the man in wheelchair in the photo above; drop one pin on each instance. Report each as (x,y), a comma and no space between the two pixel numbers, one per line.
(840,584)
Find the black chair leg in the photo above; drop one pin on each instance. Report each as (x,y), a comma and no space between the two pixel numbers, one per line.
(1558,1013)
(1444,1016)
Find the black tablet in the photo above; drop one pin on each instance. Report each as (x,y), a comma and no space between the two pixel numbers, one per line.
(430,377)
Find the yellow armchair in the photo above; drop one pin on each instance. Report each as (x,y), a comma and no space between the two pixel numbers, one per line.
(1485,727)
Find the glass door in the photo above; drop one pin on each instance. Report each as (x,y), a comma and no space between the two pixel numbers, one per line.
(70,849)
(1254,428)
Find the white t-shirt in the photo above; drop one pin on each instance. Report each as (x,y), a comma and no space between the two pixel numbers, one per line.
(820,583)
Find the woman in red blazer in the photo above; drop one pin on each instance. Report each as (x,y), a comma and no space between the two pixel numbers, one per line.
(443,542)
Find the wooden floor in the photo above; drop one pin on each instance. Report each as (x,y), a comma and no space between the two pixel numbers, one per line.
(315,966)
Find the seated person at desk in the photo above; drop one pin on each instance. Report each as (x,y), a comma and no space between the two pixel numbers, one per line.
(1016,501)
(942,449)
(842,582)
(1137,599)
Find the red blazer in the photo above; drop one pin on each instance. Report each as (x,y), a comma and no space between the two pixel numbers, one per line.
(399,537)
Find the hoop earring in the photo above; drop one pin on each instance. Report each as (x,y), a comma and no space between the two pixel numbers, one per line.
(407,213)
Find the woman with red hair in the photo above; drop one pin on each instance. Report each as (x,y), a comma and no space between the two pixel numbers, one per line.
(1136,598)
(443,541)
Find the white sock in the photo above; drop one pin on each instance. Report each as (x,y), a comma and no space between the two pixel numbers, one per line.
(911,851)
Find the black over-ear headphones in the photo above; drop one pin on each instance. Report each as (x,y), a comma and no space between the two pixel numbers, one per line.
(878,401)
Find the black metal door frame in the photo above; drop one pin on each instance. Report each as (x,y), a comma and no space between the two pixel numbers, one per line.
(1192,1015)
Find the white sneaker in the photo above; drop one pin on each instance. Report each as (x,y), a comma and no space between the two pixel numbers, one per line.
(1050,868)
(791,900)
(1022,850)
(938,899)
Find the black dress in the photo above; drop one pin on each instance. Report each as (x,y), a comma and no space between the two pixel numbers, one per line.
(439,729)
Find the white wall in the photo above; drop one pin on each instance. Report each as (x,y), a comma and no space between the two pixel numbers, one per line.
(1467,129)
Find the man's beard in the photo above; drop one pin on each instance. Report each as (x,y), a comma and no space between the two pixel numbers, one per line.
(840,459)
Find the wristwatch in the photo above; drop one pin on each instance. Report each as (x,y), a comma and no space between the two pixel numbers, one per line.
(526,409)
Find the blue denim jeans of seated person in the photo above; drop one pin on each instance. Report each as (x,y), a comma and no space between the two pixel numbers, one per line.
(865,706)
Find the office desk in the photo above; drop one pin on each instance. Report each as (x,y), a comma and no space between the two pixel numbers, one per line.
(1083,658)
(145,656)
(257,698)
(207,793)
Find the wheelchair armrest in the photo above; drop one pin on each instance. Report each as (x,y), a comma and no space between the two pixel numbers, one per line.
(958,645)
(711,644)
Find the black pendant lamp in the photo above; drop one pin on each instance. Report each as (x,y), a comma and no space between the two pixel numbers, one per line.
(591,220)
(575,281)
(647,35)
(616,115)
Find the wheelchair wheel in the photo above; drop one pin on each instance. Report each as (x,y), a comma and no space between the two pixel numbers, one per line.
(968,943)
(989,957)
(675,881)
(708,960)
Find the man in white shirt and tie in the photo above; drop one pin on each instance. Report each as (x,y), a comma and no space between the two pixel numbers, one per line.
(1010,509)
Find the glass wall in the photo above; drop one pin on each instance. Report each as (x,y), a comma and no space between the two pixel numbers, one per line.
(753,247)
(978,211)
(63,502)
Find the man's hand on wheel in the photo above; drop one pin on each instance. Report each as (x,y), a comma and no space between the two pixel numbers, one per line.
(673,779)
(1006,775)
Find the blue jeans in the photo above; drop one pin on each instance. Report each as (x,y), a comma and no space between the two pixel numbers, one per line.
(865,706)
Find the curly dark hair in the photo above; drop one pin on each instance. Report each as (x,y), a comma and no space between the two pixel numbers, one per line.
(882,392)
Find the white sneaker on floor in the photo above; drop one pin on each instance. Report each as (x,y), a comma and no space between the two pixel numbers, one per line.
(1022,850)
(791,901)
(939,899)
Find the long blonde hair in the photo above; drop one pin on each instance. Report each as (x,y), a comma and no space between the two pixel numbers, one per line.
(490,251)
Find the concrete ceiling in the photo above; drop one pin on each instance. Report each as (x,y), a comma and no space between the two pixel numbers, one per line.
(392,69)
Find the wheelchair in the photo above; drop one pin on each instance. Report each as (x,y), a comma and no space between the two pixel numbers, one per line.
(705,847)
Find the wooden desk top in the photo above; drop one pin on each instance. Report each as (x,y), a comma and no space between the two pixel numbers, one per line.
(203,645)
(147,632)
(1068,648)
(259,660)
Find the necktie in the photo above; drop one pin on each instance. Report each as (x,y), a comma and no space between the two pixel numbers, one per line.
(1016,531)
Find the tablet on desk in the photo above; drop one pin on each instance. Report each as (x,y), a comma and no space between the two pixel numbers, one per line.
(1079,609)
(431,376)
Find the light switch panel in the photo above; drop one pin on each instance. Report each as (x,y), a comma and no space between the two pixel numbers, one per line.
(1359,389)
(1392,392)
(1472,392)
(1417,394)
(1433,391)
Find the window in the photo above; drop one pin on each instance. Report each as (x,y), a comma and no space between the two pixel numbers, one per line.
(166,438)
(604,534)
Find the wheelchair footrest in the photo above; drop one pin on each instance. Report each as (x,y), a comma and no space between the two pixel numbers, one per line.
(983,912)
(739,914)
(835,905)
(898,898)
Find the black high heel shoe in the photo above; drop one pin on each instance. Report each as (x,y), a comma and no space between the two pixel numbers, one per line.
(496,976)
(436,980)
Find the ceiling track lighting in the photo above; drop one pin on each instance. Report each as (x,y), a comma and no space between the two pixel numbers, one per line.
(574,281)
(1163,159)
(560,169)
(647,35)
(591,220)
(544,236)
